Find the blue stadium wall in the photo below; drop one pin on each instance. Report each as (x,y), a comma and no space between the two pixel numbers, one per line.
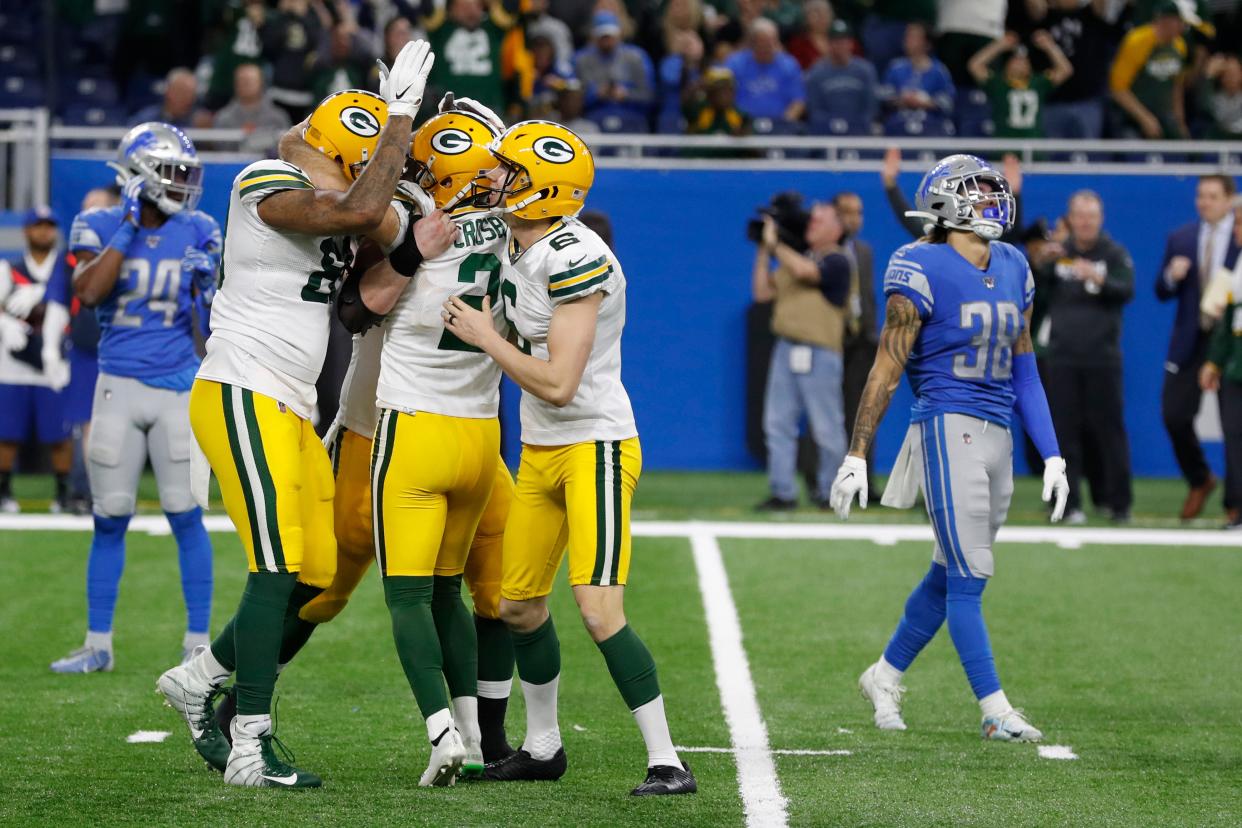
(680,236)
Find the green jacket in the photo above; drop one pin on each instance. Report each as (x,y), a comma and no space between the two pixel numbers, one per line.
(1225,345)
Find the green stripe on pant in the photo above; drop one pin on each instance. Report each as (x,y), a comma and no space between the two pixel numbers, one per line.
(265,479)
(239,463)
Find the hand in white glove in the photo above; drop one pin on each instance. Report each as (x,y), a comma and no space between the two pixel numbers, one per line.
(1056,484)
(851,480)
(24,299)
(329,438)
(421,198)
(472,107)
(55,369)
(402,86)
(13,333)
(131,200)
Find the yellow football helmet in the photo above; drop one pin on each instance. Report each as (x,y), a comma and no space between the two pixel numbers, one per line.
(550,170)
(450,158)
(346,127)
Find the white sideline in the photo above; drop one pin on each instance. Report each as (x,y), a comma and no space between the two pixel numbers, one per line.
(762,799)
(884,534)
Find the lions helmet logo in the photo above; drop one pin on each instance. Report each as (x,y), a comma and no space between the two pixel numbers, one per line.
(553,150)
(360,122)
(451,142)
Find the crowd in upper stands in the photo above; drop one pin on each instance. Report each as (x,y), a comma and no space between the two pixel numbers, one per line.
(1159,69)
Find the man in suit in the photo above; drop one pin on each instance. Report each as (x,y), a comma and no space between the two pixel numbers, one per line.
(861,336)
(1193,253)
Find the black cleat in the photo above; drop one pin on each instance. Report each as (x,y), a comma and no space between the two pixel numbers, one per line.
(666,780)
(493,753)
(522,767)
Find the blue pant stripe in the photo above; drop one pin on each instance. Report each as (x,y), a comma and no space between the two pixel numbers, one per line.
(932,489)
(951,517)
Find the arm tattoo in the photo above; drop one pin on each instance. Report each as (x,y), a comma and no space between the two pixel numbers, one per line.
(901,328)
(1024,344)
(378,181)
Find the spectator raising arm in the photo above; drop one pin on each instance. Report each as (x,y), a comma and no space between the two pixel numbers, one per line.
(980,66)
(1061,69)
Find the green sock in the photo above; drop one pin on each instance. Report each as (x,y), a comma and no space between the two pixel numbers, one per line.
(418,645)
(257,632)
(538,654)
(297,631)
(495,682)
(632,667)
(458,646)
(223,649)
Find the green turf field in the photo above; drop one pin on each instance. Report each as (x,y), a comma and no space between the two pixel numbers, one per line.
(1129,655)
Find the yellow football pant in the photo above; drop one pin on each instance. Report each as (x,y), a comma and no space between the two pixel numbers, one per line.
(580,494)
(351,458)
(275,479)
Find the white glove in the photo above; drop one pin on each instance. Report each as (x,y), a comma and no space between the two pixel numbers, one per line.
(402,86)
(1056,484)
(329,437)
(470,106)
(425,203)
(55,369)
(13,336)
(24,299)
(851,480)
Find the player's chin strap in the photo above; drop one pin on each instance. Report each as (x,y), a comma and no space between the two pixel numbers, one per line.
(983,228)
(526,202)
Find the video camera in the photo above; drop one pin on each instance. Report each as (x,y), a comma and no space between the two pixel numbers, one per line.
(791,217)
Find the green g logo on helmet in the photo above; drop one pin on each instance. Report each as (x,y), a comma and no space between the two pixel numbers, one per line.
(451,142)
(360,122)
(553,150)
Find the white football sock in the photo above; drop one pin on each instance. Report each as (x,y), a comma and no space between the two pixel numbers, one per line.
(466,717)
(543,735)
(654,726)
(192,640)
(254,726)
(212,670)
(437,723)
(99,640)
(495,689)
(995,704)
(886,673)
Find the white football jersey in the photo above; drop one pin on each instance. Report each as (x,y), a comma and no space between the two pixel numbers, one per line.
(271,314)
(571,261)
(358,413)
(424,367)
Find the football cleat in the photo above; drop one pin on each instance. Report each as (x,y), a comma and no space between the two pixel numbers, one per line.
(1010,727)
(666,780)
(472,765)
(447,755)
(520,766)
(191,693)
(253,762)
(885,698)
(85,660)
(9,506)
(493,753)
(212,742)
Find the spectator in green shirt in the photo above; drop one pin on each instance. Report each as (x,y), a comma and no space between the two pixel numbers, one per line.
(469,57)
(1017,94)
(1147,80)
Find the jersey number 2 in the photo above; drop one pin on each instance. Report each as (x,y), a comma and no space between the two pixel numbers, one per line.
(979,317)
(472,267)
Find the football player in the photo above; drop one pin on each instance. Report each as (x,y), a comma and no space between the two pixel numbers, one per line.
(957,321)
(442,494)
(143,265)
(564,295)
(251,403)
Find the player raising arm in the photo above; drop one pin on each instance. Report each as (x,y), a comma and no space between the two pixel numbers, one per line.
(958,323)
(251,404)
(564,295)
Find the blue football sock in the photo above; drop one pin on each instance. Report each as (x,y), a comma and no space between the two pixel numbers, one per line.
(923,617)
(194,551)
(103,571)
(970,634)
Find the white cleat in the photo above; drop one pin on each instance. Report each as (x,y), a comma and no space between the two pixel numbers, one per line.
(188,690)
(472,765)
(446,761)
(85,659)
(253,762)
(1010,727)
(885,698)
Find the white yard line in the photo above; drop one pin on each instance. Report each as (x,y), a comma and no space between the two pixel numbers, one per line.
(884,534)
(775,751)
(762,799)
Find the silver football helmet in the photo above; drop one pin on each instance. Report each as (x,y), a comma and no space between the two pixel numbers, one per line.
(963,192)
(165,158)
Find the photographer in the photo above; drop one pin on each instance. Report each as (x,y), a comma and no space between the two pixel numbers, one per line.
(809,292)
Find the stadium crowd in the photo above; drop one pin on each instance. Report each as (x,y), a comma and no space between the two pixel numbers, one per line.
(1029,68)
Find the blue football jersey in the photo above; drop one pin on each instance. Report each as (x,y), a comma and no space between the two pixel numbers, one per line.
(145,323)
(962,360)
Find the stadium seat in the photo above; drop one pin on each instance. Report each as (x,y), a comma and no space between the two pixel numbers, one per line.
(19,59)
(143,90)
(16,28)
(91,86)
(974,114)
(671,123)
(93,115)
(622,122)
(18,90)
